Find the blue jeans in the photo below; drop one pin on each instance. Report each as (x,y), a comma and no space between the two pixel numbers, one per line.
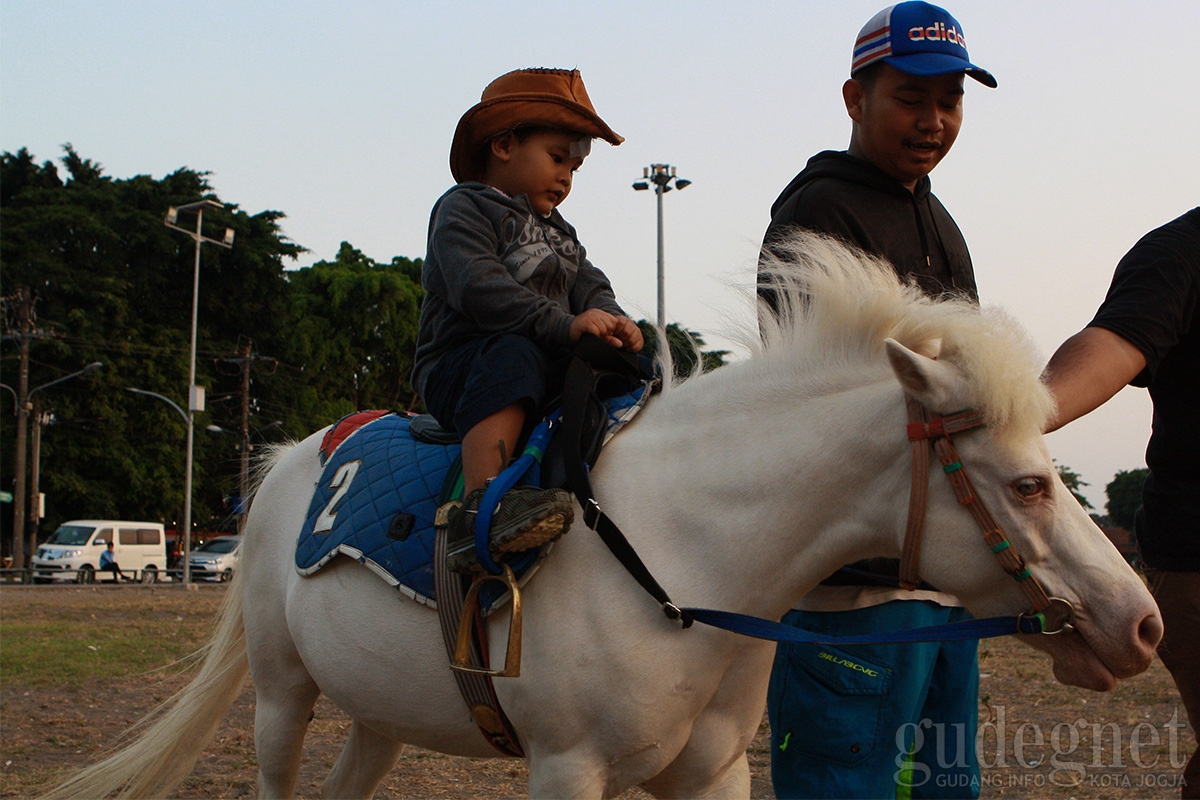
(844,718)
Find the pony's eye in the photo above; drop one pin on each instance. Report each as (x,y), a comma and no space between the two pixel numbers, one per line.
(1029,488)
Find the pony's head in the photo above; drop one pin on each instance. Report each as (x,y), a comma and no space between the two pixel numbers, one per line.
(837,312)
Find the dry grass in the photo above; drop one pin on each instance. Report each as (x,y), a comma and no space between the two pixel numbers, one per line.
(50,727)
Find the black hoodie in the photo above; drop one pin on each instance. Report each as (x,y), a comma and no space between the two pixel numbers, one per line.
(850,198)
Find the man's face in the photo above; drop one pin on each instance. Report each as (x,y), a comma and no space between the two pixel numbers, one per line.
(904,124)
(540,167)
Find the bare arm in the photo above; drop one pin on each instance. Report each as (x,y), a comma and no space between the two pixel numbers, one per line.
(1087,370)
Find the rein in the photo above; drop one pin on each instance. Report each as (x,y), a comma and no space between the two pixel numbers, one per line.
(1049,615)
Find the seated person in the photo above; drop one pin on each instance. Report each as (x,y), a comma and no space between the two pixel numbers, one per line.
(108,563)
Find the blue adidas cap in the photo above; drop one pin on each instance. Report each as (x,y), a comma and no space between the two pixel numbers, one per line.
(916,38)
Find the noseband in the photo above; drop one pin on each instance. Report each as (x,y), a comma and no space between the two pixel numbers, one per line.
(937,433)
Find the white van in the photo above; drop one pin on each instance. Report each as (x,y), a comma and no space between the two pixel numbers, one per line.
(72,553)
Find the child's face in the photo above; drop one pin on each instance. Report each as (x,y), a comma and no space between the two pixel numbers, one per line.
(541,167)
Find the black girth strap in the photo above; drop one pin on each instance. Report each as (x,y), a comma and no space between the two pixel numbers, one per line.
(590,361)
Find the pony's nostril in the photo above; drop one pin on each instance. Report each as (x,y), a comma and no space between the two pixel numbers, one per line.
(1150,631)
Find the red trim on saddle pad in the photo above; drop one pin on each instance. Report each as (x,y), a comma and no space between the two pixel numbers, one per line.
(342,429)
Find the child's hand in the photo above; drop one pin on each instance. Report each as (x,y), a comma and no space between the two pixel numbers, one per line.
(617,331)
(629,334)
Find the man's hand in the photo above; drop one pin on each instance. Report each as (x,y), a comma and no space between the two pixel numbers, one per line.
(620,332)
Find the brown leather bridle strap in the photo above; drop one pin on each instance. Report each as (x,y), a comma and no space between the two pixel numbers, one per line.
(918,497)
(938,431)
(993,535)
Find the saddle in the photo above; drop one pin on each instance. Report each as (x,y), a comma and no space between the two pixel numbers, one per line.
(597,375)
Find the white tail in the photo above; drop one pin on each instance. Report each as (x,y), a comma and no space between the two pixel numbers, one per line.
(174,735)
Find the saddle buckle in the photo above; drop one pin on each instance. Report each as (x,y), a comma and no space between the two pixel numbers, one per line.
(466,624)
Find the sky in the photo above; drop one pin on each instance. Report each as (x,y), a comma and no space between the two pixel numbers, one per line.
(340,115)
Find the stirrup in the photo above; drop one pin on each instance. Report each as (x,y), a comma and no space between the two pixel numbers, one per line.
(466,623)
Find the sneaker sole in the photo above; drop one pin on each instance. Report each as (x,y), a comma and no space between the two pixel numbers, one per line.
(539,533)
(466,562)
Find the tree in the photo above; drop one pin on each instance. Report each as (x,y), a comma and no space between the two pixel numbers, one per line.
(687,349)
(1073,483)
(1125,496)
(115,286)
(354,334)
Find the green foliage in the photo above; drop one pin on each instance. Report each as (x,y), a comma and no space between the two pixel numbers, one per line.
(354,333)
(1124,494)
(1073,483)
(687,349)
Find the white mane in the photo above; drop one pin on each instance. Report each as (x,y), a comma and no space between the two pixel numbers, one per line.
(836,305)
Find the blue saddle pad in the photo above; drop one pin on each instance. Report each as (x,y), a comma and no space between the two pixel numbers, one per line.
(378,493)
(377,476)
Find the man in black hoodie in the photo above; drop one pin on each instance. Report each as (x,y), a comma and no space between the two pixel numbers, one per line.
(866,721)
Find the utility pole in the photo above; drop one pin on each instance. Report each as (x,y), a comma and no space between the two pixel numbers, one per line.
(33,512)
(245,359)
(23,302)
(244,439)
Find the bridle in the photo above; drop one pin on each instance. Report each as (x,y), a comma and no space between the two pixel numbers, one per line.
(925,434)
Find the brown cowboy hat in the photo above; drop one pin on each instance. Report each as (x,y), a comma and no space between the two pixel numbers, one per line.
(555,98)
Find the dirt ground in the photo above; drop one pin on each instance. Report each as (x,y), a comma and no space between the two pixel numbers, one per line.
(1039,739)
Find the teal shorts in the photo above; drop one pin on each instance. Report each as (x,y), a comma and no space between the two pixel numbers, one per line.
(844,718)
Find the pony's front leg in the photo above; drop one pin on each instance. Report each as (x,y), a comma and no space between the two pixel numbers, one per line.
(732,782)
(566,776)
(713,763)
(365,760)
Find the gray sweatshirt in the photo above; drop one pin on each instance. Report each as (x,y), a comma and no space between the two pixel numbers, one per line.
(495,266)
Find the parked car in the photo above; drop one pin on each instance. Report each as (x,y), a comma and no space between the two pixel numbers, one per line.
(72,553)
(216,559)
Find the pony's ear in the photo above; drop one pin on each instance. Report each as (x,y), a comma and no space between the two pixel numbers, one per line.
(937,384)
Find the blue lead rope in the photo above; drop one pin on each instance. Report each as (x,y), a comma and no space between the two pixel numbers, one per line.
(951,631)
(529,462)
(528,466)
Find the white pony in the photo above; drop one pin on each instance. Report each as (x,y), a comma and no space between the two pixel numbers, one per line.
(740,489)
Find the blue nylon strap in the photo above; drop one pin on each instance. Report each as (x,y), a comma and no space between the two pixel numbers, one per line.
(951,631)
(531,462)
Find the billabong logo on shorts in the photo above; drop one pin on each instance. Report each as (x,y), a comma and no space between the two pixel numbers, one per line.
(874,673)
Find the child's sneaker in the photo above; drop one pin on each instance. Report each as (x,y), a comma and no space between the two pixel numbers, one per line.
(528,517)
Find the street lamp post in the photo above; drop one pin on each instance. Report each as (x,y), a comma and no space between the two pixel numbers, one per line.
(661,175)
(187,498)
(195,393)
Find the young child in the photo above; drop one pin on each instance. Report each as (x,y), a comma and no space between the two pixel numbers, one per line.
(508,290)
